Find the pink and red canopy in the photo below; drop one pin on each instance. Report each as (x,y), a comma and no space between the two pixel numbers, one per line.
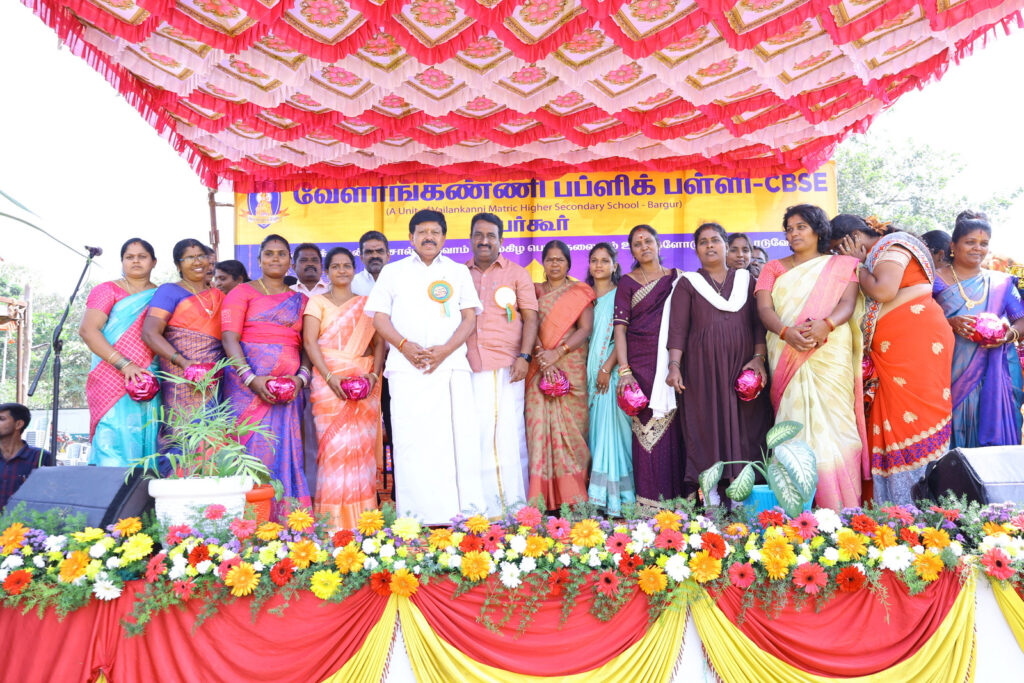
(277,94)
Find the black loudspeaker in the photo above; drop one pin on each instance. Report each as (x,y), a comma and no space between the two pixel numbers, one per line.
(994,474)
(100,493)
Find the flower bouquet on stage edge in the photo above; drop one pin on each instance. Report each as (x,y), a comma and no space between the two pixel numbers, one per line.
(208,463)
(791,472)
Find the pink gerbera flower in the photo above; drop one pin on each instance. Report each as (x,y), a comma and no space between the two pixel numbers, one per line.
(806,525)
(741,574)
(607,583)
(178,533)
(183,589)
(215,511)
(997,564)
(243,528)
(810,576)
(528,516)
(669,539)
(617,542)
(558,528)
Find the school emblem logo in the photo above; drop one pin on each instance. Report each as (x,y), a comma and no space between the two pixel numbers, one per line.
(264,208)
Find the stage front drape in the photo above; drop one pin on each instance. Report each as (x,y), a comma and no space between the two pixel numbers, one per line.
(1011,604)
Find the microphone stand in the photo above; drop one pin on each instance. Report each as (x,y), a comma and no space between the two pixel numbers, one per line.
(57,345)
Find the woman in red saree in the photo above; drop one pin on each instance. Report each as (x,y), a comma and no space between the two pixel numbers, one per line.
(261,325)
(340,341)
(807,303)
(557,427)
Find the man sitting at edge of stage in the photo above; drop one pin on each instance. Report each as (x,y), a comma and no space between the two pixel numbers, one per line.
(499,354)
(18,458)
(425,307)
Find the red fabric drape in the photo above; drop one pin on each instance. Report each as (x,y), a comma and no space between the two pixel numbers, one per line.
(584,643)
(849,636)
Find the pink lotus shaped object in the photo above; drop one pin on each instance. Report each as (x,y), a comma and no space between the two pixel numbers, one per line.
(142,387)
(197,371)
(632,399)
(559,387)
(988,329)
(749,385)
(867,368)
(356,388)
(281,388)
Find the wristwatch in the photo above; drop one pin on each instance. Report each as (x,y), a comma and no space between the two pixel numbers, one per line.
(527,357)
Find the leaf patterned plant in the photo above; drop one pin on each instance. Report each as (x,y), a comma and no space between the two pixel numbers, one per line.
(789,468)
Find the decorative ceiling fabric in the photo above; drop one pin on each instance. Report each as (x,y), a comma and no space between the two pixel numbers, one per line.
(278,94)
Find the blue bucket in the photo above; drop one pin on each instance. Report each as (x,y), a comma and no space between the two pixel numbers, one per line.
(762,498)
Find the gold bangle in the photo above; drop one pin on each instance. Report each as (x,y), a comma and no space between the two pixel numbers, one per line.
(329,376)
(112,354)
(607,372)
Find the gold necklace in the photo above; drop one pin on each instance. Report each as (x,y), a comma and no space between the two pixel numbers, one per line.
(661,271)
(969,303)
(128,287)
(714,283)
(265,290)
(202,304)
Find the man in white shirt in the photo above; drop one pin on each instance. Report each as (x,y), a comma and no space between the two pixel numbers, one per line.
(425,307)
(374,253)
(308,266)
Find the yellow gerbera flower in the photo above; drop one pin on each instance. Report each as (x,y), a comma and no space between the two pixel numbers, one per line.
(136,548)
(704,567)
(406,528)
(88,534)
(303,552)
(73,566)
(667,519)
(324,583)
(736,529)
(350,559)
(12,537)
(536,546)
(851,544)
(269,531)
(652,580)
(928,566)
(242,579)
(128,526)
(587,533)
(440,539)
(478,524)
(885,537)
(370,522)
(300,520)
(778,548)
(935,539)
(476,565)
(994,529)
(404,583)
(776,567)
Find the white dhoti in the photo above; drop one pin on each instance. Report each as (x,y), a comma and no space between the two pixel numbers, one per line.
(436,445)
(502,425)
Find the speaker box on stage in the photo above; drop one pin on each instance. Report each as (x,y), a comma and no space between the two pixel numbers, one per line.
(100,493)
(994,474)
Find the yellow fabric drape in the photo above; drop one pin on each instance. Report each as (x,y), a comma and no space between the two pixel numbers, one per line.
(947,657)
(368,663)
(434,660)
(1012,608)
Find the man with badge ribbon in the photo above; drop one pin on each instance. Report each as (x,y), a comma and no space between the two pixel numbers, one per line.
(499,354)
(425,307)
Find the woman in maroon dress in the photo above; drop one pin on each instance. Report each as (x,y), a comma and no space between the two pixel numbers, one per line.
(640,306)
(714,334)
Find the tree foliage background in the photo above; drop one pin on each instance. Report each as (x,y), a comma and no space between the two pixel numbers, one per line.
(910,184)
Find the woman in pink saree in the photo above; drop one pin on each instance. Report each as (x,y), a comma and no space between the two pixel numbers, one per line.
(261,323)
(340,341)
(808,303)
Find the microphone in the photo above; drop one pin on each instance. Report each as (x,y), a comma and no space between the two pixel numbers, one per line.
(94,251)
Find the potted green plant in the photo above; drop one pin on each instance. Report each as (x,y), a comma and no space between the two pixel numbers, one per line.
(789,468)
(208,463)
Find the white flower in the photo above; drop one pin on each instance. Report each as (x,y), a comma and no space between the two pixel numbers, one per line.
(831,554)
(455,562)
(594,561)
(205,566)
(873,553)
(564,559)
(695,541)
(113,562)
(39,561)
(97,550)
(517,544)
(105,589)
(918,549)
(371,563)
(387,550)
(677,569)
(897,558)
(754,554)
(528,564)
(55,543)
(498,554)
(3,574)
(828,520)
(12,562)
(957,548)
(800,559)
(400,564)
(510,575)
(416,570)
(282,553)
(616,558)
(257,565)
(370,546)
(643,535)
(227,554)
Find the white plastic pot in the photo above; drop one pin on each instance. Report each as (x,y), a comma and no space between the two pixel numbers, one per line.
(181,501)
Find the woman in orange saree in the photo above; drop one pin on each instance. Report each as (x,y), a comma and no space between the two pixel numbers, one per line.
(339,338)
(557,426)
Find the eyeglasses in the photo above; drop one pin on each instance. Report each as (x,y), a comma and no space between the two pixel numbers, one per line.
(194,259)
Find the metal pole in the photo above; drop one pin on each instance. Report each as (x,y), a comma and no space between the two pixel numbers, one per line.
(214,233)
(24,348)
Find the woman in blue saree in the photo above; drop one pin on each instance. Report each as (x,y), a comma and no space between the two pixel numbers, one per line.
(122,430)
(987,388)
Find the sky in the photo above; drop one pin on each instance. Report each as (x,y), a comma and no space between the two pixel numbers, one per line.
(79,156)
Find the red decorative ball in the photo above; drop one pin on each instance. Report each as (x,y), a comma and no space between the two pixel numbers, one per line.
(197,371)
(559,387)
(281,388)
(749,385)
(988,329)
(356,388)
(142,387)
(867,368)
(632,399)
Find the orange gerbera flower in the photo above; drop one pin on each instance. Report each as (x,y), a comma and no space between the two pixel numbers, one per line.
(994,529)
(667,519)
(928,566)
(268,531)
(476,564)
(303,553)
(704,567)
(12,537)
(652,580)
(851,544)
(440,539)
(536,546)
(478,524)
(370,522)
(776,567)
(128,526)
(736,529)
(73,566)
(885,537)
(935,539)
(587,533)
(404,583)
(350,559)
(300,520)
(242,579)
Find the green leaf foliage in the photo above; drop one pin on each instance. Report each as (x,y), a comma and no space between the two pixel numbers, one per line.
(742,486)
(708,479)
(782,432)
(800,464)
(785,489)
